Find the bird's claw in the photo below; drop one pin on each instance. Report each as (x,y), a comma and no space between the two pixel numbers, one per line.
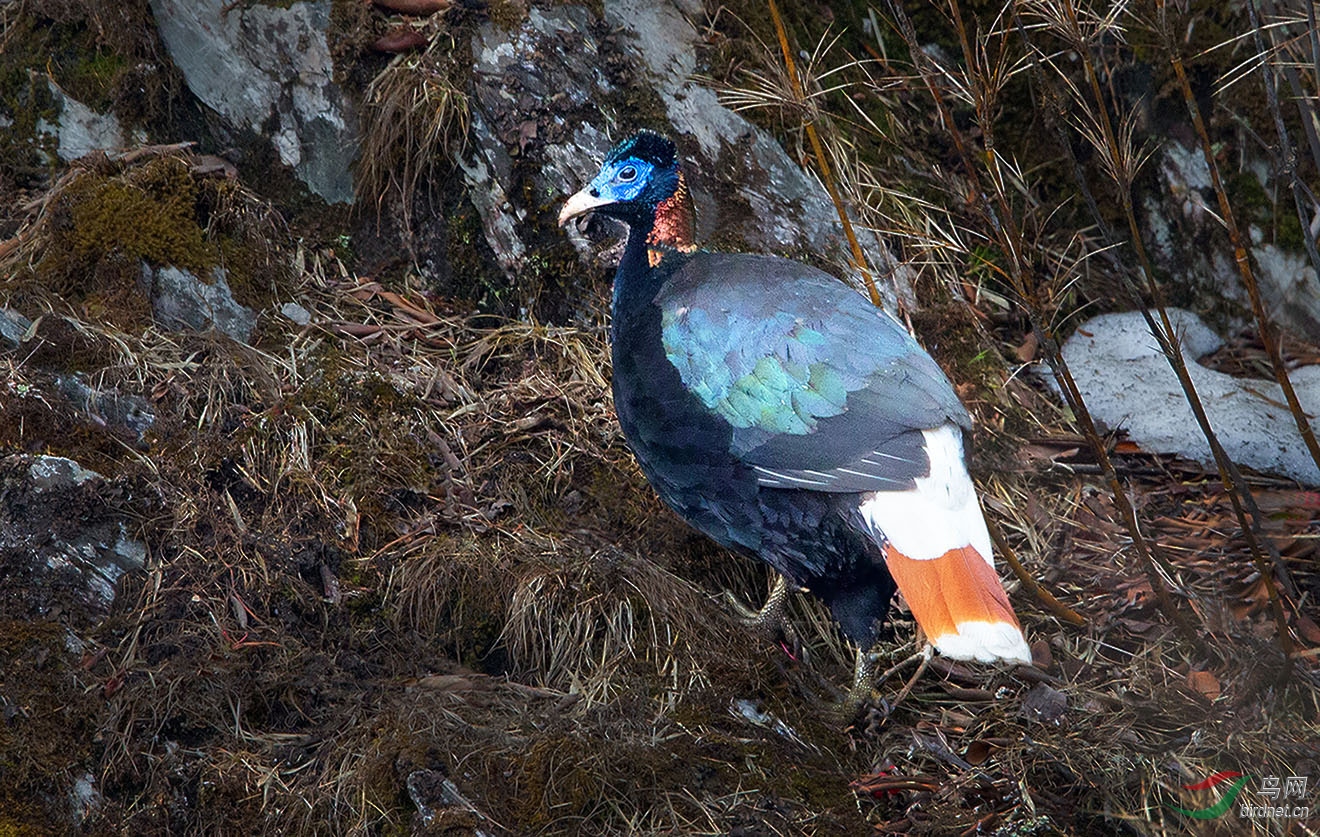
(865,688)
(744,614)
(771,620)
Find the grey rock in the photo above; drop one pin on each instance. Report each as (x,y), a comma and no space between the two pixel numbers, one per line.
(84,798)
(295,312)
(1045,704)
(544,89)
(82,130)
(1288,286)
(13,326)
(788,208)
(181,300)
(107,407)
(49,474)
(62,544)
(1127,383)
(1187,240)
(499,218)
(267,68)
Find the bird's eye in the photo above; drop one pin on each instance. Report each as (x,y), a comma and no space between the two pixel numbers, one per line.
(627,174)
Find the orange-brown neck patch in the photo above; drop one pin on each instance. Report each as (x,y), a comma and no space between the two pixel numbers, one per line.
(675,225)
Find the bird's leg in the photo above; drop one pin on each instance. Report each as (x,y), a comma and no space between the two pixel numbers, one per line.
(770,618)
(863,688)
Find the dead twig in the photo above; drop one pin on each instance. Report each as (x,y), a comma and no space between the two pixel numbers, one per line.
(818,151)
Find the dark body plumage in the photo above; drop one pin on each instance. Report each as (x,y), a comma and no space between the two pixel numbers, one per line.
(779,412)
(720,477)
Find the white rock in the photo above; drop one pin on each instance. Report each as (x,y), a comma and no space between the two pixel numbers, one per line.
(82,130)
(1127,383)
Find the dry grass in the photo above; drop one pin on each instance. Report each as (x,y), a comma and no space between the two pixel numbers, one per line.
(415,117)
(403,546)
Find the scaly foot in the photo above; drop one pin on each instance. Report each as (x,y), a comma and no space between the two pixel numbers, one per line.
(864,689)
(770,618)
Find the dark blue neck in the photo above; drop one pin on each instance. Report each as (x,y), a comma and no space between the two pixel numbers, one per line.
(634,281)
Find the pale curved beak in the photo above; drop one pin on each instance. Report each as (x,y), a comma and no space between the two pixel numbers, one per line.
(580,204)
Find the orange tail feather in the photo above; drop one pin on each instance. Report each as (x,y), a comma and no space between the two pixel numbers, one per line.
(959,602)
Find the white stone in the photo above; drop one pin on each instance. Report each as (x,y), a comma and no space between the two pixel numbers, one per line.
(82,130)
(1127,383)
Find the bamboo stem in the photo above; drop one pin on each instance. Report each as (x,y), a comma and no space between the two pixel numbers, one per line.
(1241,254)
(1001,218)
(1166,337)
(1042,595)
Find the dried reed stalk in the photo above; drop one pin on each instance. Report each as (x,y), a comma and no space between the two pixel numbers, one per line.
(1241,246)
(1120,160)
(999,214)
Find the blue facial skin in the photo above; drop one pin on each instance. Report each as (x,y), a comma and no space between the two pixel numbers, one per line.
(623,181)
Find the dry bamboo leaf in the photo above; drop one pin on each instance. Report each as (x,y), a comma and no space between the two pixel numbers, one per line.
(1028,350)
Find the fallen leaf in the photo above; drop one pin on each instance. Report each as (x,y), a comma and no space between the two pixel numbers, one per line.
(1308,629)
(1204,683)
(1041,655)
(447,683)
(1026,352)
(1045,703)
(400,39)
(978,752)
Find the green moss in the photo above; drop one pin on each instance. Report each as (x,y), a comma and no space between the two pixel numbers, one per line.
(50,737)
(1288,232)
(1254,205)
(25,97)
(150,216)
(95,75)
(106,221)
(104,56)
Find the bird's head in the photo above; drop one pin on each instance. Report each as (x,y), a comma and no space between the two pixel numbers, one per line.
(638,177)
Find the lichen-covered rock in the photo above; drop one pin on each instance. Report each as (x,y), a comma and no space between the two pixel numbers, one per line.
(785,209)
(551,96)
(181,300)
(1188,241)
(79,130)
(267,68)
(62,543)
(128,415)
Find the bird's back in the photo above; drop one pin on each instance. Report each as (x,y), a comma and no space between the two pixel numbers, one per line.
(806,372)
(735,374)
